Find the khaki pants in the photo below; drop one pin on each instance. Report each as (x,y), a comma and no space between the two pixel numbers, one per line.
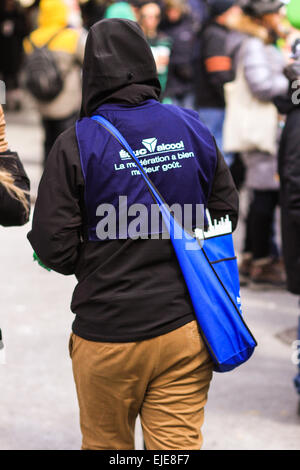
(164,379)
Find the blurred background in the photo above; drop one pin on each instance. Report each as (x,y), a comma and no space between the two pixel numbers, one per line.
(237,64)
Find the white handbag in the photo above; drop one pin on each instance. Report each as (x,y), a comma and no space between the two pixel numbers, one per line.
(250,124)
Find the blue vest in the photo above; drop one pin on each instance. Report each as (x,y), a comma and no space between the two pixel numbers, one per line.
(175,148)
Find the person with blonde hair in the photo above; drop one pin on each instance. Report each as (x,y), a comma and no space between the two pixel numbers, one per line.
(14,184)
(14,187)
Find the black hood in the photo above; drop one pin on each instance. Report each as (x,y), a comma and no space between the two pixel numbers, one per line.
(118,62)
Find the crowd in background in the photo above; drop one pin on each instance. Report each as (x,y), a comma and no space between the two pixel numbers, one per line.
(212,56)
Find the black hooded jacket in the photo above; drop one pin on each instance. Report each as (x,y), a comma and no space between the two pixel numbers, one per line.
(118,67)
(289,172)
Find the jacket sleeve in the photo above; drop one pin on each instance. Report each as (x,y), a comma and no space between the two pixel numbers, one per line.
(264,83)
(12,211)
(57,221)
(290,173)
(224,197)
(217,62)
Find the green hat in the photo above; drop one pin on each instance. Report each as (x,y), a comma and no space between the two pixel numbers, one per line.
(293,13)
(120,10)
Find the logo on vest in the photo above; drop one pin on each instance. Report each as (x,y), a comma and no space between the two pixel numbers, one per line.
(150,144)
(151,148)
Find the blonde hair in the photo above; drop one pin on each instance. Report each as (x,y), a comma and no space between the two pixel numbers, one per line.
(7,180)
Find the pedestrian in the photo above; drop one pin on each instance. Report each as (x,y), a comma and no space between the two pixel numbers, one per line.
(214,69)
(289,171)
(263,68)
(13,29)
(180,25)
(148,13)
(135,344)
(14,187)
(67,47)
(289,168)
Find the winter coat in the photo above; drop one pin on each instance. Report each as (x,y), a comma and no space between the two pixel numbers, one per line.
(289,172)
(68,50)
(181,67)
(263,66)
(214,68)
(128,289)
(12,212)
(13,29)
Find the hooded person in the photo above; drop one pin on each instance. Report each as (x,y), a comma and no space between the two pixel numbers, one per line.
(67,47)
(131,301)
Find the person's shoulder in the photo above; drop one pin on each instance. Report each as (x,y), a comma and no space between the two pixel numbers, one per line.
(212,29)
(64,156)
(68,134)
(76,32)
(66,142)
(252,50)
(214,36)
(190,120)
(184,113)
(70,36)
(64,39)
(9,161)
(190,113)
(253,43)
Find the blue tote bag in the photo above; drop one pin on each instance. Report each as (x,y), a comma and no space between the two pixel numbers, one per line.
(209,266)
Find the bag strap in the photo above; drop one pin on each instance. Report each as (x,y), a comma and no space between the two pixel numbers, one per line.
(123,142)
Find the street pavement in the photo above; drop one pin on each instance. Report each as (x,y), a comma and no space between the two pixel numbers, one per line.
(251,408)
